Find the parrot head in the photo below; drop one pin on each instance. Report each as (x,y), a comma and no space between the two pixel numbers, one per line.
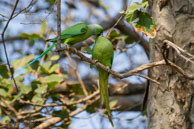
(98,29)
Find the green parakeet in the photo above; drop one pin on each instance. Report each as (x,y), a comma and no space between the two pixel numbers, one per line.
(103,53)
(72,35)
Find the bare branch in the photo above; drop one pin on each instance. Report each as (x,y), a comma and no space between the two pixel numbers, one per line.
(180,70)
(115,74)
(58,46)
(77,73)
(10,108)
(54,120)
(180,50)
(3,40)
(65,104)
(48,122)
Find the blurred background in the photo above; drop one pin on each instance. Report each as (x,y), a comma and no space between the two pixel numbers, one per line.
(55,79)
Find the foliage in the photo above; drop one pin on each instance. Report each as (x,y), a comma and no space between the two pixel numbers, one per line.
(141,19)
(40,90)
(38,97)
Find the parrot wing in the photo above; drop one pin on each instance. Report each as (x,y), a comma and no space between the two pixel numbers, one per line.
(71,31)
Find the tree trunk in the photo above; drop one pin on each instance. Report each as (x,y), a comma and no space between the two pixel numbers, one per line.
(171,104)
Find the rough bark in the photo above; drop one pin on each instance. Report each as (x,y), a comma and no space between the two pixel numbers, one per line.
(171,104)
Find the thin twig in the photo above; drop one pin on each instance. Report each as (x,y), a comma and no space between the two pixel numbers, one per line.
(24,9)
(77,73)
(54,120)
(131,72)
(180,70)
(48,122)
(114,73)
(3,16)
(41,61)
(37,120)
(58,45)
(120,18)
(30,111)
(8,113)
(10,108)
(84,106)
(3,40)
(180,50)
(148,78)
(64,104)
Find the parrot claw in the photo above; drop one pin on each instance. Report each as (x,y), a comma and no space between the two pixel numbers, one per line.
(108,69)
(96,61)
(67,46)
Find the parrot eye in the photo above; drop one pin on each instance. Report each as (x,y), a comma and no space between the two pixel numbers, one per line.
(83,30)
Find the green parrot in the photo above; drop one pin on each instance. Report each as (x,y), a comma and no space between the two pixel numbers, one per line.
(103,53)
(72,35)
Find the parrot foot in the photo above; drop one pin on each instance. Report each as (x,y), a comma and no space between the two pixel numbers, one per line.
(67,46)
(108,69)
(96,61)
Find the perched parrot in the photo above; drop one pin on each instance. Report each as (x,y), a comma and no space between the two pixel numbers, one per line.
(103,53)
(72,35)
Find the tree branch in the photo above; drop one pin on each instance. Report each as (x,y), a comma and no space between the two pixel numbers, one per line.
(115,74)
(58,45)
(3,40)
(54,120)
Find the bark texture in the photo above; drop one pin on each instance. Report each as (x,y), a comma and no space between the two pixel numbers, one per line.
(171,104)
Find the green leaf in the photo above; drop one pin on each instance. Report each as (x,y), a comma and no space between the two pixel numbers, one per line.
(122,12)
(114,34)
(37,99)
(126,39)
(31,36)
(19,63)
(43,70)
(43,28)
(54,68)
(18,96)
(144,1)
(130,16)
(4,71)
(3,93)
(5,119)
(51,85)
(41,89)
(31,43)
(53,78)
(55,57)
(47,65)
(146,24)
(76,88)
(62,113)
(113,103)
(129,40)
(91,108)
(50,1)
(25,89)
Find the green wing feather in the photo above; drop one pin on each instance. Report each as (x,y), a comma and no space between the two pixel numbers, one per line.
(40,56)
(71,31)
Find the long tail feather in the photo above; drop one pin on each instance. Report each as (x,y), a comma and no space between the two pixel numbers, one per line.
(40,55)
(103,80)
